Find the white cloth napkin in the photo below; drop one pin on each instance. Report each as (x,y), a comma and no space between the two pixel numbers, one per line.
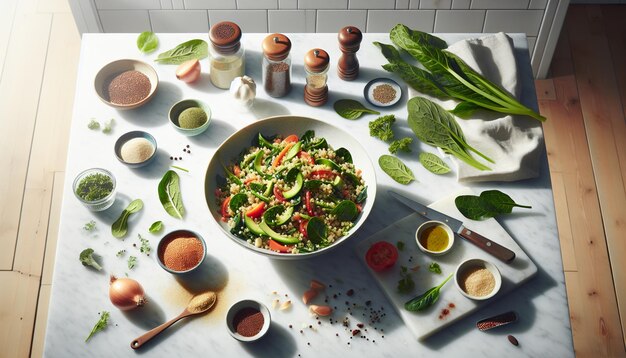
(512,142)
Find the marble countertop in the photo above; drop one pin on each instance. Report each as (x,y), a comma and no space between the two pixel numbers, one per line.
(78,293)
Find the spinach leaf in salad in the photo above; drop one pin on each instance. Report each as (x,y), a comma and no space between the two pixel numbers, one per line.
(316,230)
(345,211)
(351,109)
(344,154)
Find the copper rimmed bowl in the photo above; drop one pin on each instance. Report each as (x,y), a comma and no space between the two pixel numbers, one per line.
(230,149)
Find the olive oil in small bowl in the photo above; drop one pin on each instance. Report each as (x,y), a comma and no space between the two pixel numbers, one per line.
(434,237)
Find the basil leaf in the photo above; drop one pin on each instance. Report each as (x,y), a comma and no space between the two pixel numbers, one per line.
(170,196)
(120,227)
(397,170)
(344,154)
(433,163)
(489,204)
(426,299)
(147,42)
(192,49)
(316,230)
(362,196)
(238,200)
(351,109)
(156,227)
(345,211)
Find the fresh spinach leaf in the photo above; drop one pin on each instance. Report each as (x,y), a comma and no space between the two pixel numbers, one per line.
(344,154)
(147,42)
(351,109)
(426,299)
(192,49)
(434,126)
(316,230)
(489,204)
(434,267)
(362,196)
(238,200)
(397,170)
(170,196)
(120,226)
(308,136)
(345,211)
(156,227)
(433,163)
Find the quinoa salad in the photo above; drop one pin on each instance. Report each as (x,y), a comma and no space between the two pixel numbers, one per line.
(291,195)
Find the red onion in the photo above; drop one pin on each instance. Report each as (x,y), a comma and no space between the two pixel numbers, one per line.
(126,293)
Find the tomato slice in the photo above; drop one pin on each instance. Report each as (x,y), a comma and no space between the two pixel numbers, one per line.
(275,246)
(323,173)
(236,171)
(225,213)
(281,155)
(279,195)
(307,157)
(291,138)
(308,204)
(256,211)
(302,227)
(381,256)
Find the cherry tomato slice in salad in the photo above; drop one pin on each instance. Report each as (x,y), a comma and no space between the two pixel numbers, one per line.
(225,213)
(302,227)
(275,246)
(279,195)
(256,211)
(381,256)
(291,138)
(307,157)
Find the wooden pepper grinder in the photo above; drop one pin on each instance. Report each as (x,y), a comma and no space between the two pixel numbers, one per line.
(316,66)
(349,42)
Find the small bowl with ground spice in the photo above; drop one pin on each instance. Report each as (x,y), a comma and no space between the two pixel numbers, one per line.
(190,117)
(181,251)
(95,188)
(126,84)
(478,279)
(434,237)
(382,92)
(136,148)
(248,320)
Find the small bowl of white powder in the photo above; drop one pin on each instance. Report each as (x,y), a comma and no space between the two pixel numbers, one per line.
(136,148)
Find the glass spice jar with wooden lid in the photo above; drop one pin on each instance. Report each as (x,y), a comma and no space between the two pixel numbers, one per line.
(226,54)
(316,63)
(276,65)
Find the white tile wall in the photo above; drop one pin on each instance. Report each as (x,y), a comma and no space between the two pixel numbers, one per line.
(124,20)
(257,4)
(384,20)
(166,4)
(178,4)
(432,4)
(334,20)
(499,4)
(179,21)
(526,21)
(210,4)
(322,4)
(459,20)
(402,4)
(248,20)
(461,4)
(127,4)
(287,4)
(372,4)
(288,21)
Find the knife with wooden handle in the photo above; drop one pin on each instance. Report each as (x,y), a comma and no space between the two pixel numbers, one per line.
(491,247)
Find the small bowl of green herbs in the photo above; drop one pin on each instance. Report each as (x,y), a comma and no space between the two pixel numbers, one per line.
(95,188)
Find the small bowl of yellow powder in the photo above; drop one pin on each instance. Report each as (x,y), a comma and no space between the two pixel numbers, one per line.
(190,117)
(136,148)
(478,279)
(434,237)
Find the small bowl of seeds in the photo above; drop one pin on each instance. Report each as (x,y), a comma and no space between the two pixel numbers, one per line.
(190,117)
(95,188)
(136,148)
(382,92)
(478,279)
(248,320)
(126,84)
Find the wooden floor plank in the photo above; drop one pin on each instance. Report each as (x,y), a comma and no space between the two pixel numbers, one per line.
(41,321)
(18,303)
(53,229)
(566,237)
(19,98)
(53,6)
(7,14)
(606,131)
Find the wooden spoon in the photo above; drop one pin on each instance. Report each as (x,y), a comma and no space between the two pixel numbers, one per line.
(198,304)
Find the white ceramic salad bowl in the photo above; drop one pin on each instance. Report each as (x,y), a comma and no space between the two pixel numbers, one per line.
(230,150)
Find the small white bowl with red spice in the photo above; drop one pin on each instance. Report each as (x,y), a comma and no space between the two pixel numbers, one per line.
(478,279)
(181,251)
(248,320)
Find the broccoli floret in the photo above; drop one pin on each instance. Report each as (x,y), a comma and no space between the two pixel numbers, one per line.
(401,144)
(86,257)
(93,124)
(381,127)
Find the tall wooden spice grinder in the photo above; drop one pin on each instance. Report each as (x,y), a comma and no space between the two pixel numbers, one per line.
(316,66)
(349,43)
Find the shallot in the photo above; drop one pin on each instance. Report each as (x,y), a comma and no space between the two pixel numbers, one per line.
(126,293)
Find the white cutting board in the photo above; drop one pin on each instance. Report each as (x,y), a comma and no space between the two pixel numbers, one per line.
(427,322)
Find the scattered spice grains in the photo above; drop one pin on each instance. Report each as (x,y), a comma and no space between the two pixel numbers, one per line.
(185,149)
(128,87)
(384,93)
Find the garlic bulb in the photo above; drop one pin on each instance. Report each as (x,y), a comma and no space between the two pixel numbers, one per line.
(243,90)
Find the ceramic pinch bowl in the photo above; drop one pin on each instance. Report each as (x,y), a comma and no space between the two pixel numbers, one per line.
(462,271)
(113,69)
(368,92)
(167,239)
(247,305)
(124,138)
(421,231)
(179,107)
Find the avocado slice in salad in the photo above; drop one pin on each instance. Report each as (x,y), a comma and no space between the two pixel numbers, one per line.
(295,189)
(286,240)
(254,227)
(277,215)
(328,163)
(293,151)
